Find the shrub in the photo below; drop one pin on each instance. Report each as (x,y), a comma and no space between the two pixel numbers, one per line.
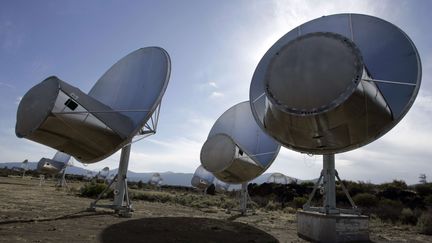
(341,197)
(393,190)
(389,210)
(424,223)
(299,201)
(153,196)
(424,189)
(428,201)
(365,200)
(355,188)
(398,184)
(261,201)
(228,204)
(408,217)
(290,210)
(94,189)
(307,184)
(140,184)
(272,206)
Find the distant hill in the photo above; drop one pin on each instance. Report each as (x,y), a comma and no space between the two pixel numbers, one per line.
(32,166)
(169,178)
(10,165)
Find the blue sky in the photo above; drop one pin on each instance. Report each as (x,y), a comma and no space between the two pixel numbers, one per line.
(214,48)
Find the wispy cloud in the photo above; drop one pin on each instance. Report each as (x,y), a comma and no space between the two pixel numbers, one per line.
(213,84)
(7,85)
(216,94)
(212,89)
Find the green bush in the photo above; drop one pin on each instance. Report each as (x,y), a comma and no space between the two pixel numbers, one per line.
(261,201)
(397,184)
(355,188)
(424,190)
(365,200)
(94,189)
(271,206)
(428,201)
(307,184)
(290,210)
(153,196)
(185,199)
(393,191)
(408,217)
(140,184)
(424,223)
(299,201)
(228,204)
(389,210)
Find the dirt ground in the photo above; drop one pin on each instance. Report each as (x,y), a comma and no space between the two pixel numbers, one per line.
(33,213)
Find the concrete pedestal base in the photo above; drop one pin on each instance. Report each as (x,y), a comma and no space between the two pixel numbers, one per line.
(318,227)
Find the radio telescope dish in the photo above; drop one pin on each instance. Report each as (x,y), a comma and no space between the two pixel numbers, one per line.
(331,85)
(237,150)
(103,174)
(24,167)
(24,164)
(202,178)
(55,165)
(89,175)
(156,180)
(278,178)
(121,108)
(335,83)
(93,126)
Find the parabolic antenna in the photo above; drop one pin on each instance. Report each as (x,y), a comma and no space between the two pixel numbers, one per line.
(335,83)
(103,174)
(24,166)
(55,165)
(332,85)
(237,150)
(156,179)
(89,175)
(278,178)
(93,126)
(123,104)
(202,178)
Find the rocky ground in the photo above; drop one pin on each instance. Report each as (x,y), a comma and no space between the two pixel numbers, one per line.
(33,213)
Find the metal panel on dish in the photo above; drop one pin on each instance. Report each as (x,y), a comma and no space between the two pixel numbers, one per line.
(237,150)
(221,186)
(94,126)
(143,76)
(335,83)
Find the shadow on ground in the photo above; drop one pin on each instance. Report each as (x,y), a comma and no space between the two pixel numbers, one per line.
(183,229)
